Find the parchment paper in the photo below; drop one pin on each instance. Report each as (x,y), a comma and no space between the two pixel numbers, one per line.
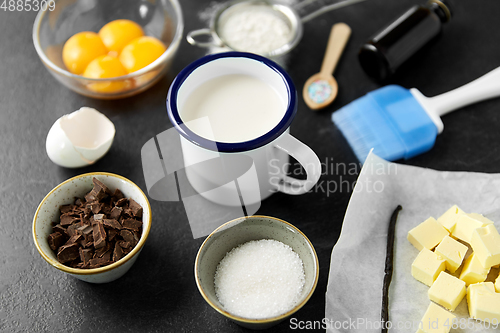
(354,294)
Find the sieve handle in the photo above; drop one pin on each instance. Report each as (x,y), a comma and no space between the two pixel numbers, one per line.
(307,14)
(214,41)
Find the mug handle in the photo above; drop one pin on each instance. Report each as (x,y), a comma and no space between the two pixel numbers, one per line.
(306,157)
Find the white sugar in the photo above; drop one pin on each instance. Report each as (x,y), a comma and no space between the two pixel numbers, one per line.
(259,279)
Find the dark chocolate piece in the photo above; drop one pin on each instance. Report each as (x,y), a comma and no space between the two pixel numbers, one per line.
(112,234)
(128,236)
(95,207)
(107,255)
(99,235)
(118,194)
(55,240)
(132,224)
(111,223)
(64,209)
(98,185)
(59,228)
(135,207)
(124,244)
(71,230)
(67,219)
(115,213)
(121,202)
(389,260)
(98,262)
(117,252)
(85,255)
(100,251)
(98,217)
(68,253)
(74,239)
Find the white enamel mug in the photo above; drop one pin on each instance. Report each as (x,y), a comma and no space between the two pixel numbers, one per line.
(227,172)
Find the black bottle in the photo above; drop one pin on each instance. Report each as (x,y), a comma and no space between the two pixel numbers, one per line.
(382,55)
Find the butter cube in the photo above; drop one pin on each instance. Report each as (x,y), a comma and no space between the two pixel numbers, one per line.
(452,251)
(427,266)
(436,320)
(497,284)
(449,219)
(427,234)
(484,302)
(486,245)
(473,271)
(467,223)
(447,291)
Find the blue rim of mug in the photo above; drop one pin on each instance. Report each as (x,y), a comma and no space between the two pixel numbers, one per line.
(278,130)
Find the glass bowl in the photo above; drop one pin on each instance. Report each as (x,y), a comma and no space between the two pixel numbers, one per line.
(159,18)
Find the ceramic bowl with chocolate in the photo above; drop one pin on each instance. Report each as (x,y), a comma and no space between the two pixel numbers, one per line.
(93,226)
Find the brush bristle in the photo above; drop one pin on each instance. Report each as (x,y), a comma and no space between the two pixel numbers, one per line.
(365,126)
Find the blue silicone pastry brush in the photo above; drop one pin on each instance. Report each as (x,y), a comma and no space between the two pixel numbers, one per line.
(401,123)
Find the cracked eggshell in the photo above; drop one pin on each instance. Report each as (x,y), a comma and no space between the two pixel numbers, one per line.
(80,138)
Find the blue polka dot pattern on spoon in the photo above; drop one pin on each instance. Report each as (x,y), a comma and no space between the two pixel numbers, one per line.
(319,91)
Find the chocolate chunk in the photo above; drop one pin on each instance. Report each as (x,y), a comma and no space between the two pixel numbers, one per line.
(97,217)
(59,228)
(124,244)
(99,235)
(97,193)
(67,219)
(128,236)
(84,229)
(128,212)
(64,209)
(85,255)
(118,194)
(106,209)
(111,223)
(136,208)
(71,230)
(74,239)
(132,224)
(117,252)
(98,262)
(100,186)
(100,251)
(89,243)
(86,232)
(68,253)
(115,213)
(89,197)
(55,240)
(112,234)
(107,255)
(95,207)
(121,202)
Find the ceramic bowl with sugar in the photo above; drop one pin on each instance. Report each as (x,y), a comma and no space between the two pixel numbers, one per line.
(243,230)
(65,193)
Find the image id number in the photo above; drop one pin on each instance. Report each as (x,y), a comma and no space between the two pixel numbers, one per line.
(27,5)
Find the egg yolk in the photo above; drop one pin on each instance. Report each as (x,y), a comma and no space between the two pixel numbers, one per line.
(116,34)
(81,49)
(141,52)
(103,67)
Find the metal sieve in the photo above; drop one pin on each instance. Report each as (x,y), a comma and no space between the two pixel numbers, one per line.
(292,16)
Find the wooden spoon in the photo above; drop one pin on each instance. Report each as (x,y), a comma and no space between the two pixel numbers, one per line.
(321,88)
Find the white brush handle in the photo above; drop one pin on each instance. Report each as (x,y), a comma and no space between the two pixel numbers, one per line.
(485,87)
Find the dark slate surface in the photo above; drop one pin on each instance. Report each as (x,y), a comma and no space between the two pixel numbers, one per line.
(159,293)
